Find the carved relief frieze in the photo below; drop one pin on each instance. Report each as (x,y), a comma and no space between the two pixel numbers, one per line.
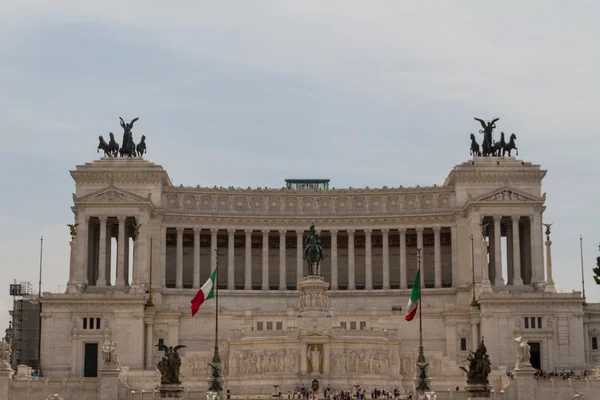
(264,361)
(365,361)
(508,195)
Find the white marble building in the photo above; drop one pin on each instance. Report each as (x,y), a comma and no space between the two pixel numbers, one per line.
(483,223)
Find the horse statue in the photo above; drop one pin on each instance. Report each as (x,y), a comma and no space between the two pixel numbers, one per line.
(498,147)
(475,146)
(141,147)
(313,257)
(103,146)
(113,146)
(510,146)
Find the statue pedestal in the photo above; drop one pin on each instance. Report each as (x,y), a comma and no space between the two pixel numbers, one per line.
(478,391)
(313,297)
(6,373)
(166,391)
(108,383)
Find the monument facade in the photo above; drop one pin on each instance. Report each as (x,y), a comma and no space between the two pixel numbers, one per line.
(142,247)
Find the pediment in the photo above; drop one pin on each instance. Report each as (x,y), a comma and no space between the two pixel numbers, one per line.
(507,194)
(315,334)
(112,194)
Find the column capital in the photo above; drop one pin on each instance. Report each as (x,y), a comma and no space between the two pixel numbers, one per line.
(419,229)
(282,232)
(333,232)
(121,218)
(437,228)
(197,229)
(299,231)
(103,218)
(368,231)
(515,218)
(231,231)
(402,229)
(248,231)
(350,231)
(385,230)
(497,218)
(214,230)
(179,229)
(265,232)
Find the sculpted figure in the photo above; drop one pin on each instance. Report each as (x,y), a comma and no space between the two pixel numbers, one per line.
(170,364)
(523,351)
(487,131)
(479,366)
(5,351)
(128,146)
(313,252)
(73,230)
(315,356)
(109,355)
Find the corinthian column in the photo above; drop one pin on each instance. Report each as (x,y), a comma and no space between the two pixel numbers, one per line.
(517,279)
(213,248)
(403,283)
(386,257)
(282,277)
(437,256)
(196,257)
(420,246)
(549,281)
(499,281)
(230,259)
(368,260)
(179,259)
(248,260)
(265,259)
(351,270)
(102,254)
(121,253)
(334,259)
(299,251)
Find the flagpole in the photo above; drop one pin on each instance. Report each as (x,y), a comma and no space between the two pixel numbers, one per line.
(421,358)
(40,309)
(582,274)
(216,358)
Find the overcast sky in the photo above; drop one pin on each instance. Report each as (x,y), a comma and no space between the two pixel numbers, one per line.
(248,93)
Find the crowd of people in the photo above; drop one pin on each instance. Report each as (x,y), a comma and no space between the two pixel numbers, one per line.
(302,392)
(556,374)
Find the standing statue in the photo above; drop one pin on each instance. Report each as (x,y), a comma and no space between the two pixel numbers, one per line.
(73,230)
(109,355)
(215,383)
(136,231)
(128,145)
(315,357)
(313,252)
(169,365)
(523,352)
(5,352)
(479,366)
(487,135)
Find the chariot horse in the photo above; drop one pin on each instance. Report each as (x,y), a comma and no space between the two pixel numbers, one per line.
(313,257)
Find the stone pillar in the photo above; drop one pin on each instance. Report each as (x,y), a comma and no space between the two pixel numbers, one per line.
(196,272)
(282,276)
(549,281)
(420,246)
(486,285)
(385,253)
(454,246)
(149,338)
(6,374)
(126,259)
(326,358)
(108,384)
(437,256)
(299,252)
(499,280)
(509,255)
(108,269)
(213,249)
(141,263)
(303,359)
(474,335)
(334,259)
(403,282)
(351,270)
(265,259)
(368,260)
(537,261)
(71,286)
(248,260)
(231,259)
(121,253)
(102,254)
(179,259)
(163,258)
(84,236)
(516,250)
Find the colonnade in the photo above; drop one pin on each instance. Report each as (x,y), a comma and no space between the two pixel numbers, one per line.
(285,236)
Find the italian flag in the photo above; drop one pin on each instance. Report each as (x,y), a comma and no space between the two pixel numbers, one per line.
(415,298)
(207,291)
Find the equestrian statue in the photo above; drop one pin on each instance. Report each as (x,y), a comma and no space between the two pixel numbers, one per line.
(128,148)
(490,147)
(313,252)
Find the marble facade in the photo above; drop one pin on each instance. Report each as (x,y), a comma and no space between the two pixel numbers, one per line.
(485,221)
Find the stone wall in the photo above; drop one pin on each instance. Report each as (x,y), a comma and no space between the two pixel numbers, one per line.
(41,388)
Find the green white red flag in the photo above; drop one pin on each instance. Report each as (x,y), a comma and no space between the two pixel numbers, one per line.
(207,291)
(415,298)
